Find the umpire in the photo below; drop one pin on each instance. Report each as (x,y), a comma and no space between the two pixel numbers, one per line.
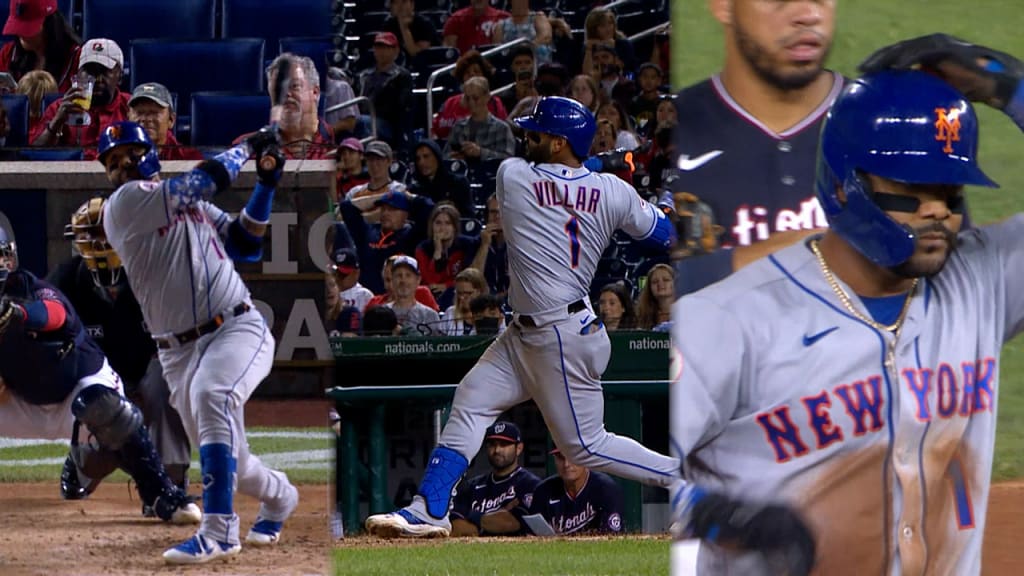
(94,281)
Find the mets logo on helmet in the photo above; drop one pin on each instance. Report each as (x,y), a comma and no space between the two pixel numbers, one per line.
(947,127)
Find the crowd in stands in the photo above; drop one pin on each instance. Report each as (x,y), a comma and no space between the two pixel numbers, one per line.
(418,226)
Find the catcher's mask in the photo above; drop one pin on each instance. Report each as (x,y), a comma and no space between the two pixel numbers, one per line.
(8,257)
(86,232)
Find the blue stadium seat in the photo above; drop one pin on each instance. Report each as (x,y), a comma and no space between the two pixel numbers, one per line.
(187,66)
(220,117)
(436,17)
(17,115)
(470,227)
(50,154)
(178,19)
(50,98)
(275,20)
(372,21)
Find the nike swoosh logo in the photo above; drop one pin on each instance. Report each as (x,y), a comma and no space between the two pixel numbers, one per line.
(809,340)
(584,321)
(553,501)
(686,164)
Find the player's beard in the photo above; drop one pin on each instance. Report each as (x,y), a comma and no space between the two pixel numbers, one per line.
(538,153)
(925,263)
(761,62)
(501,459)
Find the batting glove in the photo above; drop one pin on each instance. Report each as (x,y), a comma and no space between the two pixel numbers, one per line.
(270,166)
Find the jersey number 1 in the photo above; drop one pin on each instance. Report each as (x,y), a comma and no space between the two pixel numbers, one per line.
(572,228)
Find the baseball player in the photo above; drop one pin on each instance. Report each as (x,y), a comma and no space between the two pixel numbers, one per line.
(862,375)
(94,282)
(54,378)
(177,250)
(558,218)
(577,500)
(508,485)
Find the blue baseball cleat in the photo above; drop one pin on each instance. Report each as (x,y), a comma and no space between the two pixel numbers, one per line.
(199,550)
(269,522)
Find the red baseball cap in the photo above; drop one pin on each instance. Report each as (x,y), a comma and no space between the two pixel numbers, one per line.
(26,17)
(385,38)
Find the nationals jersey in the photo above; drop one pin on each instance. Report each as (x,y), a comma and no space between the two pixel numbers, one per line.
(885,444)
(489,493)
(170,241)
(596,508)
(557,222)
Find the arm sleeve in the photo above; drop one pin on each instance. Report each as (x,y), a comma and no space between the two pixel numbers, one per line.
(43,315)
(704,393)
(354,221)
(642,220)
(1007,237)
(696,272)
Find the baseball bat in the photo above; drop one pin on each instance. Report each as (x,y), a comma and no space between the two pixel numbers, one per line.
(278,94)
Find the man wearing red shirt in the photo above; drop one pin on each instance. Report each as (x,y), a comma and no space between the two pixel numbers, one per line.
(152,108)
(472,25)
(102,59)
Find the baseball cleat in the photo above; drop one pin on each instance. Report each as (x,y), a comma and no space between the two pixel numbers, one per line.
(267,532)
(402,524)
(187,513)
(199,550)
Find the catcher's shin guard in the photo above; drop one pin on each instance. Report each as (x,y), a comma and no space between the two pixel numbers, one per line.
(444,470)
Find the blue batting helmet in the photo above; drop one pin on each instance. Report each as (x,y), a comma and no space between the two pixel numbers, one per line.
(903,125)
(130,133)
(563,117)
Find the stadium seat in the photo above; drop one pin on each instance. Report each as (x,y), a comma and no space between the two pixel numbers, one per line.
(199,65)
(50,154)
(437,18)
(50,98)
(372,21)
(399,172)
(179,19)
(274,20)
(457,167)
(17,116)
(430,59)
(220,117)
(470,226)
(318,49)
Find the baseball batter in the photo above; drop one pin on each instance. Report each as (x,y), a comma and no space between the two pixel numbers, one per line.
(861,379)
(215,349)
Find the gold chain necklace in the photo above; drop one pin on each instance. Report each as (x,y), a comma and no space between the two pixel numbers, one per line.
(844,298)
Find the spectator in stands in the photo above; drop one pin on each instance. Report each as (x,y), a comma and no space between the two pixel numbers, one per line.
(458,319)
(415,318)
(344,121)
(103,60)
(444,253)
(389,86)
(433,179)
(344,269)
(604,138)
(473,25)
(45,41)
(379,157)
(487,315)
(380,321)
(552,79)
(524,71)
(584,89)
(414,31)
(349,168)
(644,106)
(625,137)
(348,324)
(481,136)
(609,73)
(492,255)
(661,165)
(524,23)
(615,306)
(569,51)
(392,234)
(152,108)
(654,307)
(423,294)
(600,29)
(303,132)
(469,65)
(35,85)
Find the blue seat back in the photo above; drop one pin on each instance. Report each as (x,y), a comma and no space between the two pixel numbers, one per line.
(220,117)
(275,20)
(17,115)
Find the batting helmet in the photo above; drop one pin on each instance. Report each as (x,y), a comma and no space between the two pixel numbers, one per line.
(563,117)
(8,257)
(87,234)
(126,132)
(903,125)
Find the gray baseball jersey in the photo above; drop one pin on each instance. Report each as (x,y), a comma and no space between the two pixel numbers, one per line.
(557,223)
(884,444)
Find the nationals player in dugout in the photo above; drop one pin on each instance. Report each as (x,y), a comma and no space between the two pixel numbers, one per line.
(870,405)
(506,486)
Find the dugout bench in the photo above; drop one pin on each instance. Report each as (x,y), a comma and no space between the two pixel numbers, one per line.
(426,370)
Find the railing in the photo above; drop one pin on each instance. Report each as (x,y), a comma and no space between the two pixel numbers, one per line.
(650,31)
(450,67)
(356,100)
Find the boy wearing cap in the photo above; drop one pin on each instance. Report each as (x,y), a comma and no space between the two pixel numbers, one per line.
(508,485)
(415,318)
(152,107)
(102,59)
(389,86)
(44,41)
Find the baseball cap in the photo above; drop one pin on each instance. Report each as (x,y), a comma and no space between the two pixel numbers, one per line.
(152,91)
(502,430)
(346,260)
(385,38)
(103,51)
(650,65)
(352,144)
(403,260)
(395,199)
(379,148)
(26,17)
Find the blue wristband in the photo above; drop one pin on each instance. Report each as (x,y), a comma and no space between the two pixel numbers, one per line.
(258,207)
(1015,108)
